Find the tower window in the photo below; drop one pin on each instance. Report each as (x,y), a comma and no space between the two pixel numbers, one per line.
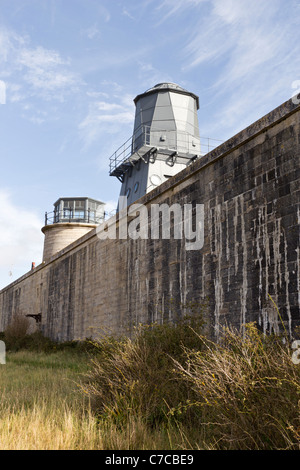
(128,192)
(84,210)
(136,187)
(79,214)
(68,213)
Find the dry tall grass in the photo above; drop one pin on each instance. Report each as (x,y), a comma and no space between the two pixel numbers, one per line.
(42,408)
(240,394)
(135,377)
(167,388)
(249,391)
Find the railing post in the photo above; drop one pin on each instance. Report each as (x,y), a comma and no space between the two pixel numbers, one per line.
(46,218)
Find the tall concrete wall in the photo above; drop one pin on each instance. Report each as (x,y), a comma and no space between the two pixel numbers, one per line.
(251,194)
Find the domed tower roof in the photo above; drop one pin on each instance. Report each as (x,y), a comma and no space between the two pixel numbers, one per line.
(167,86)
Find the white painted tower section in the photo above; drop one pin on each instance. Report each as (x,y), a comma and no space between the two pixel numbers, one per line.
(165,140)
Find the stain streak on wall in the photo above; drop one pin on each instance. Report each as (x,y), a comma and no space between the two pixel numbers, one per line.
(250,188)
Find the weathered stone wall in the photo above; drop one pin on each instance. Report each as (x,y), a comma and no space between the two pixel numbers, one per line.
(250,188)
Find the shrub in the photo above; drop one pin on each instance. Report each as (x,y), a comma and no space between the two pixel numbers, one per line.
(17,337)
(135,377)
(242,393)
(248,390)
(16,331)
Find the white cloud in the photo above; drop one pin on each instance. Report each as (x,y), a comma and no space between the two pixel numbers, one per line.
(107,124)
(40,72)
(149,75)
(235,30)
(21,240)
(39,58)
(46,71)
(232,11)
(249,50)
(173,7)
(105,106)
(113,87)
(107,117)
(125,12)
(9,40)
(239,35)
(91,32)
(15,92)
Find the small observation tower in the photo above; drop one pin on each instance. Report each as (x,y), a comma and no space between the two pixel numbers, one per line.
(72,218)
(165,140)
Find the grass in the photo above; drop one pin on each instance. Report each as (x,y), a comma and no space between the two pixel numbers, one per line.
(240,394)
(42,407)
(167,388)
(249,389)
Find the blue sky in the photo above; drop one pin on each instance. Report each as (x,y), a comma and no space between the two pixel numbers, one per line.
(70,70)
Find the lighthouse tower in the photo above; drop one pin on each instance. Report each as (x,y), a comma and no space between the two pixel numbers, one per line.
(165,140)
(72,218)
